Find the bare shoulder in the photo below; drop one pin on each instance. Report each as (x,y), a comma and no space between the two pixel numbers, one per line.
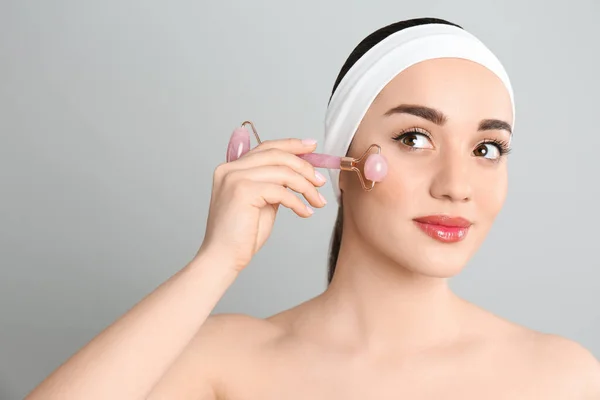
(540,358)
(559,348)
(572,363)
(224,326)
(235,335)
(224,349)
(563,363)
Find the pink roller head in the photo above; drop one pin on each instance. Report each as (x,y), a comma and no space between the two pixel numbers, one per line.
(371,166)
(375,168)
(239,144)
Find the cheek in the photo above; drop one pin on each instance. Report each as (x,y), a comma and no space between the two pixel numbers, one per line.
(490,192)
(391,200)
(406,182)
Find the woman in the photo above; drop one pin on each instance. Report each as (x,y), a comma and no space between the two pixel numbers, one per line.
(388,325)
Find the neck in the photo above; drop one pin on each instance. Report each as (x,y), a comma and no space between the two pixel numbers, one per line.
(382,305)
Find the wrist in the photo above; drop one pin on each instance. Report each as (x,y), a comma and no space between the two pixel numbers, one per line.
(217,259)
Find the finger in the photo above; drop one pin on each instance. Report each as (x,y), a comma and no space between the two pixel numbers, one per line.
(283,176)
(290,145)
(277,194)
(277,157)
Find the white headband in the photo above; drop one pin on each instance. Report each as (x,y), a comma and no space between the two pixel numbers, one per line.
(380,64)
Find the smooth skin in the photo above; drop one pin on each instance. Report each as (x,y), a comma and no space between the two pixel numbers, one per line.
(388,326)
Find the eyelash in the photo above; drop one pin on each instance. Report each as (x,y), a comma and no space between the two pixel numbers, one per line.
(502,145)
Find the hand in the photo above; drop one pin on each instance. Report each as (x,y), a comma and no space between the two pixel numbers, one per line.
(247,192)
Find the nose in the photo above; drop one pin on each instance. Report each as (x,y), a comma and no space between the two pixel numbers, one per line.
(452,181)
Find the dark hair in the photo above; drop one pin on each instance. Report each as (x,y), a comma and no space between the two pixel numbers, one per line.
(365,45)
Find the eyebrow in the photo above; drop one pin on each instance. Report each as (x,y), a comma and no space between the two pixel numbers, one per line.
(438,117)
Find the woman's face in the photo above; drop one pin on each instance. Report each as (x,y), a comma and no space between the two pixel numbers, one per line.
(443,126)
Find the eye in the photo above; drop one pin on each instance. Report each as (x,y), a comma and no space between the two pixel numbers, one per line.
(414,139)
(487,150)
(491,149)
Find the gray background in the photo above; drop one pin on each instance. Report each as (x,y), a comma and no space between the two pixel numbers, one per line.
(113,115)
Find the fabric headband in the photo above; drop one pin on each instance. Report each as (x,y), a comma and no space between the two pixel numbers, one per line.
(380,64)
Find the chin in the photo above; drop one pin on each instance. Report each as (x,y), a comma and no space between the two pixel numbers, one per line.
(432,267)
(427,257)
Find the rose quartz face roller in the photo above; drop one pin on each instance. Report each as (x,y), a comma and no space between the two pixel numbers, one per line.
(370,167)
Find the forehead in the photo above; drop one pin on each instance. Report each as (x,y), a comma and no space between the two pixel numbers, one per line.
(461,89)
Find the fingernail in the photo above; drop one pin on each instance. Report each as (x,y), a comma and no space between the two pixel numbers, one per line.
(320,176)
(308,142)
(323,198)
(310,210)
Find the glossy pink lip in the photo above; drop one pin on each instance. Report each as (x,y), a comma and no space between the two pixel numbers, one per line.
(444,228)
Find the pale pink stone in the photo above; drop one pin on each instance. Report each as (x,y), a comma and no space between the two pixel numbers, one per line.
(375,167)
(239,144)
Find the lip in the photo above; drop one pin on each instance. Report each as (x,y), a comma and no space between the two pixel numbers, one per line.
(444,228)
